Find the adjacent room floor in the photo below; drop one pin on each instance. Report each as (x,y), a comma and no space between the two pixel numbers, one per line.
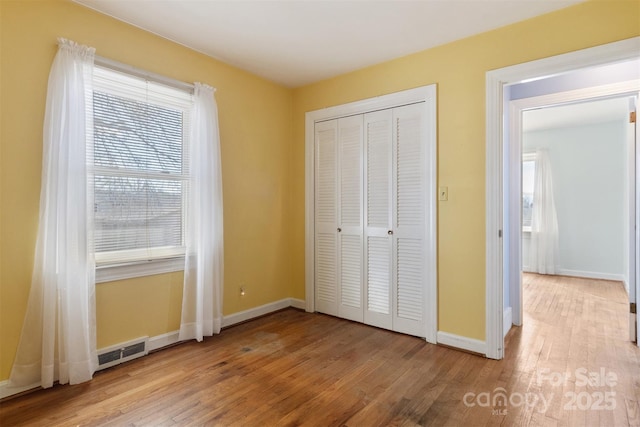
(570,364)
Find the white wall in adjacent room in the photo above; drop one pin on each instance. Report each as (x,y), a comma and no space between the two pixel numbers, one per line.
(589,182)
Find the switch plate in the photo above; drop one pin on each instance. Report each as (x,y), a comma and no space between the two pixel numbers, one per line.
(443,194)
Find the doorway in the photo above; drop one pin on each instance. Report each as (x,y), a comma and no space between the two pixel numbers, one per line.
(577,192)
(503,227)
(582,145)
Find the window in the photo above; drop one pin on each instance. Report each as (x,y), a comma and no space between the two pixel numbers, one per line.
(528,180)
(138,150)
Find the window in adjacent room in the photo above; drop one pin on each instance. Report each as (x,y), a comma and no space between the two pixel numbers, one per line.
(528,179)
(140,168)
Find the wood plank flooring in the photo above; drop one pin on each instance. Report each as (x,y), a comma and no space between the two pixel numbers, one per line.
(295,368)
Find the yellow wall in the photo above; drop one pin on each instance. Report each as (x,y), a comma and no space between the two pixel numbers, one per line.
(262,137)
(459,71)
(255,127)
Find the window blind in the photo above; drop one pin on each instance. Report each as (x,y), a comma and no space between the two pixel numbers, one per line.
(139,158)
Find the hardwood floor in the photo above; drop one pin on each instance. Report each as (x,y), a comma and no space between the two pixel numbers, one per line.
(295,368)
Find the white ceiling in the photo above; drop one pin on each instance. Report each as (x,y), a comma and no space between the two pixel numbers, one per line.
(590,112)
(296,42)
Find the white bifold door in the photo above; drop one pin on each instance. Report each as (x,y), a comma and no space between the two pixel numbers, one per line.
(370,218)
(339,285)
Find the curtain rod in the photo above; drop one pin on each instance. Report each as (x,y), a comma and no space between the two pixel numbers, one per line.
(147,75)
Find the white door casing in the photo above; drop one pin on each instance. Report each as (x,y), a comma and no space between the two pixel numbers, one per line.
(495,140)
(634,217)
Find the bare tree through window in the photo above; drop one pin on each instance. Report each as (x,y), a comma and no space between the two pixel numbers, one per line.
(139,182)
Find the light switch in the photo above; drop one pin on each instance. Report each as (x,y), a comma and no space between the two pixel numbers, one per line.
(443,194)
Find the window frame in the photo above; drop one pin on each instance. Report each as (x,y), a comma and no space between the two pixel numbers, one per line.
(125,264)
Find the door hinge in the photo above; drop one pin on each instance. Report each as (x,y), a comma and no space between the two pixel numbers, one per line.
(632,308)
(500,234)
(632,117)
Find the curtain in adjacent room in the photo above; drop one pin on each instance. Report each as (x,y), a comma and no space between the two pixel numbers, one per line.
(58,340)
(543,252)
(203,274)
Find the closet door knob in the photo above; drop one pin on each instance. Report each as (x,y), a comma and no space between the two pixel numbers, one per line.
(390,232)
(339,229)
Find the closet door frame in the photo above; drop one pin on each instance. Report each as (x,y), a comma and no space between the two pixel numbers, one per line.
(424,94)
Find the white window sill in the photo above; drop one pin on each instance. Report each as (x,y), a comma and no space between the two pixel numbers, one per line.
(111,272)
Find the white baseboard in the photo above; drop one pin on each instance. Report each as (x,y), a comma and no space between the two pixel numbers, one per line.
(163,340)
(507,320)
(298,303)
(170,338)
(242,316)
(462,343)
(6,391)
(160,341)
(583,274)
(590,274)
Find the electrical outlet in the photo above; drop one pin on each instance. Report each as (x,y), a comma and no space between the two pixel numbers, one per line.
(443,194)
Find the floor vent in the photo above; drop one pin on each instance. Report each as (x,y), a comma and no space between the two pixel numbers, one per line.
(116,354)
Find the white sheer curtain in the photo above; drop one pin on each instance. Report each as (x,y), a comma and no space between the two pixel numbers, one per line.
(203,274)
(58,335)
(543,250)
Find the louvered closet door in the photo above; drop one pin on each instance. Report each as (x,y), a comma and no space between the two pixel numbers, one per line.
(370,218)
(326,217)
(350,272)
(378,218)
(409,220)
